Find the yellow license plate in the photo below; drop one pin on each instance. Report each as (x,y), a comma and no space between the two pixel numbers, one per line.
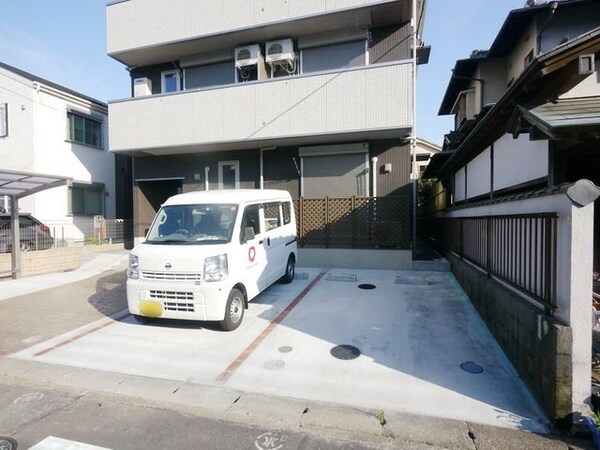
(150,308)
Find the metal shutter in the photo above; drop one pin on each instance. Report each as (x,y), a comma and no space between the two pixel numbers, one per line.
(209,75)
(341,175)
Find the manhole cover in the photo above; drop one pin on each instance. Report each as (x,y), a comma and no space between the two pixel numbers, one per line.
(285,349)
(345,352)
(471,367)
(7,443)
(275,364)
(366,286)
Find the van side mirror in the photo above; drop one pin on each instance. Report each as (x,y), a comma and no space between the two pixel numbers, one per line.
(248,234)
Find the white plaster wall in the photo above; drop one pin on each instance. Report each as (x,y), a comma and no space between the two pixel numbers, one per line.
(479,174)
(588,87)
(57,156)
(459,185)
(142,23)
(300,106)
(574,268)
(518,160)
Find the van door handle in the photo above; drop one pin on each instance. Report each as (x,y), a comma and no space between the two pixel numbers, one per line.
(269,241)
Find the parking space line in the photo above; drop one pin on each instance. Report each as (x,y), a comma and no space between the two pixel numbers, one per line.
(230,370)
(80,335)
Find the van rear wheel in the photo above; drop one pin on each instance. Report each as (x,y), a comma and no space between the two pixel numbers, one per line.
(290,270)
(234,311)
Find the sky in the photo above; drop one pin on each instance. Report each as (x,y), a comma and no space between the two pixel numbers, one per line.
(64,41)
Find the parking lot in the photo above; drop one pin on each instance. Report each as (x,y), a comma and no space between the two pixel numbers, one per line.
(391,340)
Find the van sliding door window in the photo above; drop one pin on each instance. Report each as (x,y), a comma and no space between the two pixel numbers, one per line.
(272,217)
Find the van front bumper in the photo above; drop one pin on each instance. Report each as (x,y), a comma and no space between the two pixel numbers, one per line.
(176,300)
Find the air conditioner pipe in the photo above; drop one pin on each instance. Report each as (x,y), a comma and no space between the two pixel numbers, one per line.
(374,170)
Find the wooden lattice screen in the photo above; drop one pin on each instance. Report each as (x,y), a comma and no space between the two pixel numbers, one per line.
(357,222)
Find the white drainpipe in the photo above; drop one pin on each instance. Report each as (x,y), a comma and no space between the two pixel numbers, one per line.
(374,170)
(206,170)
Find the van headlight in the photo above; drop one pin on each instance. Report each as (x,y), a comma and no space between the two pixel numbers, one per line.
(133,270)
(215,268)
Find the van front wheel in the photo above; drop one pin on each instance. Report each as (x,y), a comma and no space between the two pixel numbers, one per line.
(234,311)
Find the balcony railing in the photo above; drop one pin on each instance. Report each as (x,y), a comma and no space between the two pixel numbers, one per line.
(373,98)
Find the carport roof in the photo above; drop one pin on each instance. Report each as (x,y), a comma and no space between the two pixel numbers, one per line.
(22,184)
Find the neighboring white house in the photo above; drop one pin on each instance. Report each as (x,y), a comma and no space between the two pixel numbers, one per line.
(424,151)
(48,129)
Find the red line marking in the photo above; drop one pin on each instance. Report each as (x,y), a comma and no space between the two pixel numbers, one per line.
(79,336)
(242,357)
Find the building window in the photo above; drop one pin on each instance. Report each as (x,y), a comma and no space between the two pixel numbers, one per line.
(170,81)
(84,130)
(209,75)
(336,56)
(87,200)
(3,119)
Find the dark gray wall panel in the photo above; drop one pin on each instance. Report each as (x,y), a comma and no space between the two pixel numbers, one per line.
(391,43)
(397,182)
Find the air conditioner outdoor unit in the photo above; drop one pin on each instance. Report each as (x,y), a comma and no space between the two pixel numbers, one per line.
(280,50)
(247,55)
(141,87)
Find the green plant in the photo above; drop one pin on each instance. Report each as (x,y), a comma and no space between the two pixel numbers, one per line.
(596,419)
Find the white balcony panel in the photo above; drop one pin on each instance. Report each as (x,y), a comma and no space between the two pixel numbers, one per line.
(138,24)
(354,101)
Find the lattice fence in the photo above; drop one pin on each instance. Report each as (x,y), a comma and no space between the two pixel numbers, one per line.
(356,222)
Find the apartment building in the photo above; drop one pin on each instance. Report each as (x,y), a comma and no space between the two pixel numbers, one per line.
(49,129)
(315,97)
(518,173)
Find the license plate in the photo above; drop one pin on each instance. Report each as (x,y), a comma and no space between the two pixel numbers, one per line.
(150,308)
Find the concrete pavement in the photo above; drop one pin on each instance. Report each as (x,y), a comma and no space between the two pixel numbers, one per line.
(50,315)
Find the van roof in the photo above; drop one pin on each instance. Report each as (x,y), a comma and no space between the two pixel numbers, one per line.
(228,196)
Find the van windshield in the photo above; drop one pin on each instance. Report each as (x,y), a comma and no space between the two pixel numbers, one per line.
(193,224)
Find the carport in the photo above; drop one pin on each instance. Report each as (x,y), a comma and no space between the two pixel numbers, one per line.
(17,185)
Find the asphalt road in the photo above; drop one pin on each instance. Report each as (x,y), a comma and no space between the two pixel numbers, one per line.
(31,414)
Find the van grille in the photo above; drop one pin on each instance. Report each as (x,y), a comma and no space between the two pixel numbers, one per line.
(172,295)
(182,307)
(172,276)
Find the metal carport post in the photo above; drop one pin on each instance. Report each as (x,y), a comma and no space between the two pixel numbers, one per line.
(17,185)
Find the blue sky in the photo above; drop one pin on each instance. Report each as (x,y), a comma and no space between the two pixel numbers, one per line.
(65,41)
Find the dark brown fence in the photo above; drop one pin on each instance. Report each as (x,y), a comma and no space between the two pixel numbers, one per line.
(518,249)
(356,222)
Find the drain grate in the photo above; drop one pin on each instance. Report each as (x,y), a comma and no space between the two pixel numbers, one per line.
(351,277)
(366,286)
(471,367)
(345,352)
(415,281)
(301,276)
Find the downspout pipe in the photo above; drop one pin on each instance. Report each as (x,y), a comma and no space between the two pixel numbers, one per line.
(206,184)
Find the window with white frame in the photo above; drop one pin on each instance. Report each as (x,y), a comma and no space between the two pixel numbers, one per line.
(3,119)
(84,130)
(170,81)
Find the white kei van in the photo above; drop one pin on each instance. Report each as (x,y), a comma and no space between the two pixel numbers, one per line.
(207,254)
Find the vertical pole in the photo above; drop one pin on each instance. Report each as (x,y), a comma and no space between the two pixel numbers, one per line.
(353,208)
(15,238)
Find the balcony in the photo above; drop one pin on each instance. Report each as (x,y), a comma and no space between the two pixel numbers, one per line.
(366,102)
(144,32)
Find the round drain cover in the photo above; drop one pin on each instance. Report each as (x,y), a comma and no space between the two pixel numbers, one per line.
(471,367)
(366,286)
(345,352)
(285,349)
(275,364)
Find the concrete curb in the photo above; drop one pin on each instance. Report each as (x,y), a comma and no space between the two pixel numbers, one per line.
(383,429)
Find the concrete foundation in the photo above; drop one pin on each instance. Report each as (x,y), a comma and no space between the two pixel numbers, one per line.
(355,258)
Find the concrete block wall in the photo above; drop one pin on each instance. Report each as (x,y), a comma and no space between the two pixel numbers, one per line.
(539,346)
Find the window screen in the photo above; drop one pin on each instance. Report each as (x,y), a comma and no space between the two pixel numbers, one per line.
(87,200)
(329,57)
(209,75)
(272,219)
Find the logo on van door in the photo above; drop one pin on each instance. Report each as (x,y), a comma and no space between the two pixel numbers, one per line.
(251,254)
